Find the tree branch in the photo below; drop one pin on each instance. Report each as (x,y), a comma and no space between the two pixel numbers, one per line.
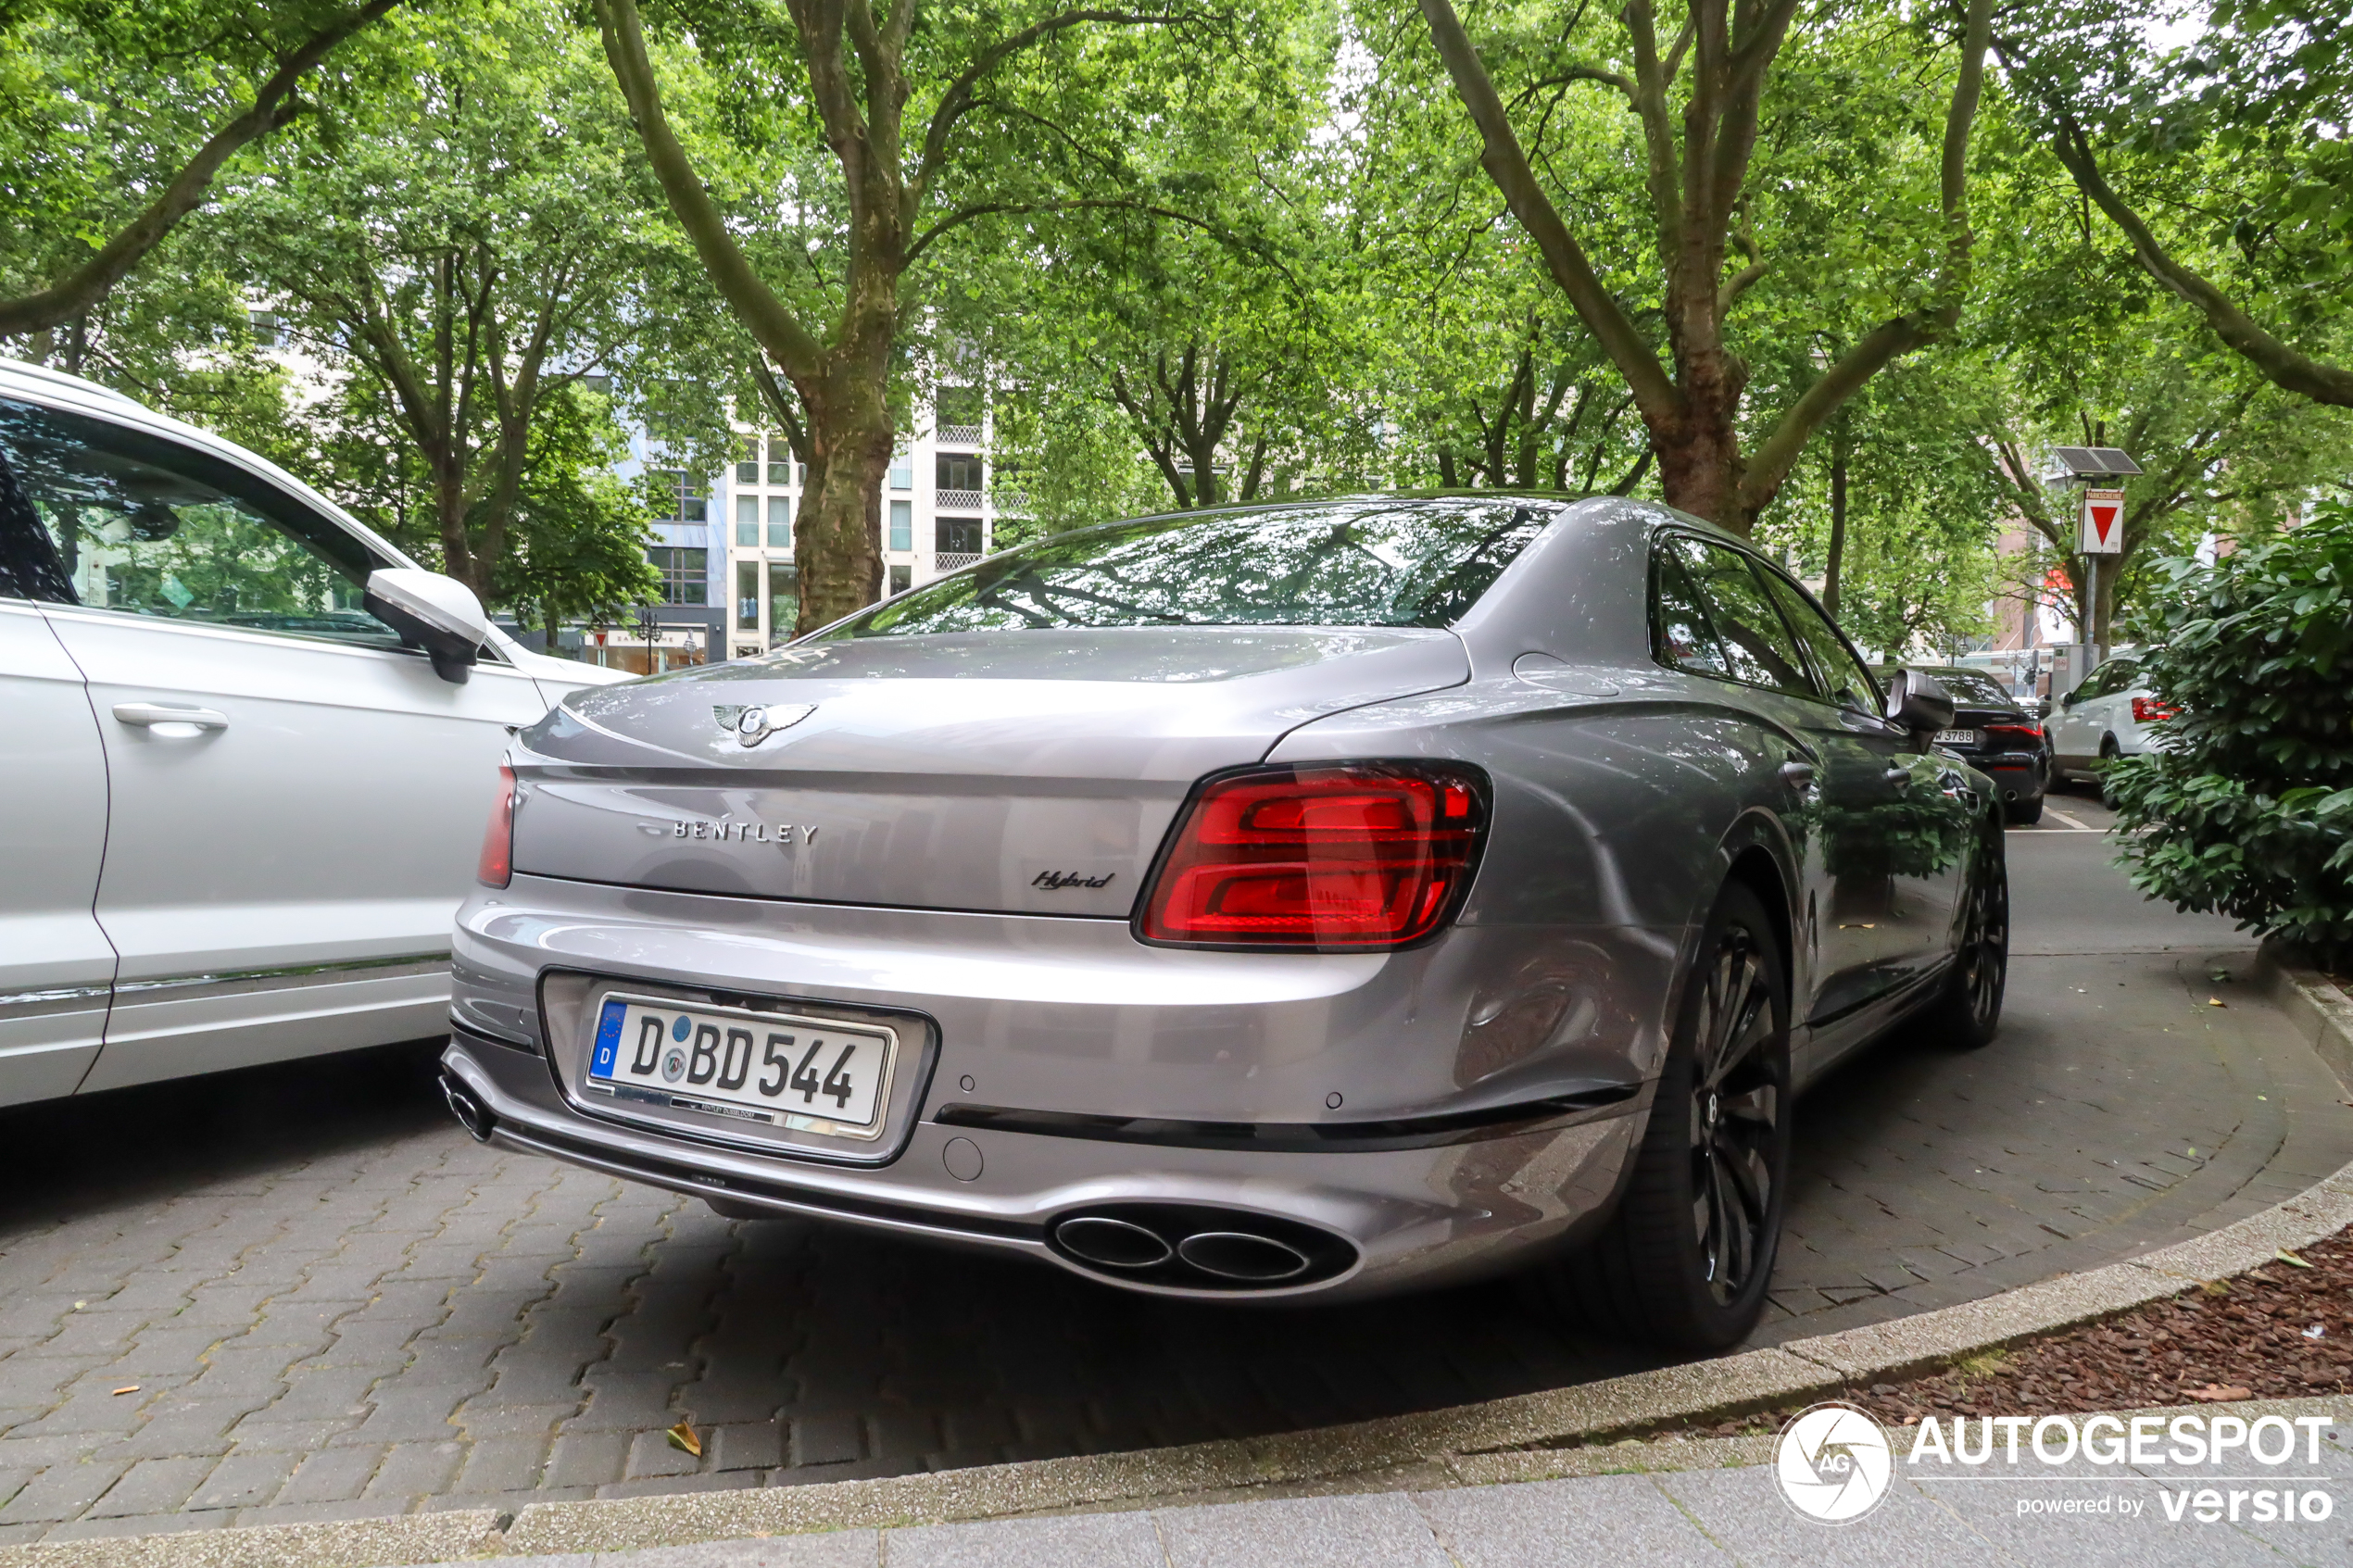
(959,97)
(272,106)
(768,318)
(1507,164)
(2282,365)
(1779,452)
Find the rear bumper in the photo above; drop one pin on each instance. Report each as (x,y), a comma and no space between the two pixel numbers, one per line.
(2019,776)
(1434,1113)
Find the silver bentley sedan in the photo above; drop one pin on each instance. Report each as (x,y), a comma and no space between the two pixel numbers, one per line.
(1282,902)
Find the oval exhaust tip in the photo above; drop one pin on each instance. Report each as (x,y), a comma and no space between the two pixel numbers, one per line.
(1113,1243)
(1260,1260)
(474,1116)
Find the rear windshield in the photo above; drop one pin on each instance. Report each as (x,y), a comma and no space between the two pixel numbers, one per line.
(1339,563)
(1969,687)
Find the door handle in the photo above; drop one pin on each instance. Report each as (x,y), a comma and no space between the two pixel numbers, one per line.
(1799,773)
(171,721)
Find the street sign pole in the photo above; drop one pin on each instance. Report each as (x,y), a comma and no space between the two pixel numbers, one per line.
(2099,532)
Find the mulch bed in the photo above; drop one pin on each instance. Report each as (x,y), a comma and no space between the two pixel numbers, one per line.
(2245,1339)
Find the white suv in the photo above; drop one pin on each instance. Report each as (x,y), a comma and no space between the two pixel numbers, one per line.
(251,749)
(2109,716)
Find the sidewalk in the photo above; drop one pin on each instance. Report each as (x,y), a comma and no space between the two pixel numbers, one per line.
(1710,1508)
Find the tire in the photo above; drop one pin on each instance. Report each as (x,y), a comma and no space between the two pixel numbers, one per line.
(2110,754)
(1684,1262)
(1968,1014)
(2025,813)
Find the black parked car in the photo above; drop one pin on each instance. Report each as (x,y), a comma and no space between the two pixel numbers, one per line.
(1998,735)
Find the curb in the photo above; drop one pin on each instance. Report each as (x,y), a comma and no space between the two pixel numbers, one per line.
(1527,1437)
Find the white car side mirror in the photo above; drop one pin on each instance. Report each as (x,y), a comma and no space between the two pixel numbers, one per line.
(432,612)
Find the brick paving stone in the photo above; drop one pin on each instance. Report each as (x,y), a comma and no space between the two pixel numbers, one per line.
(331,1475)
(502,1464)
(411,1471)
(153,1486)
(245,1479)
(588,1459)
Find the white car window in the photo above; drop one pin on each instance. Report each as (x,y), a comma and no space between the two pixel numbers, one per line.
(138,523)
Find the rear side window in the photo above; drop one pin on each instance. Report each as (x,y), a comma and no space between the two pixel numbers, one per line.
(1679,629)
(1353,563)
(1758,649)
(115,518)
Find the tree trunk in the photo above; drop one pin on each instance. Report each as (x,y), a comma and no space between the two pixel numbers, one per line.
(837,547)
(1831,574)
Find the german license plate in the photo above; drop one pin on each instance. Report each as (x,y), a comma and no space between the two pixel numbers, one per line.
(811,1074)
(1959,737)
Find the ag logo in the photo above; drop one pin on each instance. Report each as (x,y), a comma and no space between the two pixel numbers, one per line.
(1833,1463)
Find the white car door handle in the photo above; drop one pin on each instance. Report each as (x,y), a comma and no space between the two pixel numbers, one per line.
(171,721)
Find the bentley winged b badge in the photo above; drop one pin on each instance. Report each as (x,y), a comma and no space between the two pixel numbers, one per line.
(752,726)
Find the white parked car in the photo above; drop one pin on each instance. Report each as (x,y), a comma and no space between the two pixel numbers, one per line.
(250,751)
(2109,716)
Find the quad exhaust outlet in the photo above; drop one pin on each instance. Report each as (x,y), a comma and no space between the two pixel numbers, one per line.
(1199,1248)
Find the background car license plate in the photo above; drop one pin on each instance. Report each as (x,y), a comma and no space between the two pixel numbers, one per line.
(811,1074)
(1958,737)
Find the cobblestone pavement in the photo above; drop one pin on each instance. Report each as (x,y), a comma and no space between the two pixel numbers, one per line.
(302,1293)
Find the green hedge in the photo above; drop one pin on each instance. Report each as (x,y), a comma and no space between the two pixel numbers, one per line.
(2248,811)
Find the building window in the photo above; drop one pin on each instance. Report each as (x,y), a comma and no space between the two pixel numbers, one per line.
(268,331)
(748,467)
(748,520)
(746,595)
(903,526)
(780,523)
(783,600)
(956,415)
(956,536)
(899,577)
(902,471)
(685,573)
(677,498)
(779,461)
(958,471)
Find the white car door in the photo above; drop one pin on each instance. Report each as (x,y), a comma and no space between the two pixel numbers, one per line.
(296,802)
(57,969)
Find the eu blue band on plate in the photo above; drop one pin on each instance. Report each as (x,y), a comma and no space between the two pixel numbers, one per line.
(607,1037)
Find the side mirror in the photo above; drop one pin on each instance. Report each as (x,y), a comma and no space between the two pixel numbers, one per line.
(432,612)
(1917,704)
(2071,699)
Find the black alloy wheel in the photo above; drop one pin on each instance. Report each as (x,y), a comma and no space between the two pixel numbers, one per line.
(2111,755)
(1735,1110)
(1970,1012)
(1685,1261)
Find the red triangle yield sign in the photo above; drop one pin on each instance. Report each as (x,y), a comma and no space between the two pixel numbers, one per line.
(2104,514)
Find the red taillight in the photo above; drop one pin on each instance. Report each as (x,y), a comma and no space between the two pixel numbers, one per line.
(2014,735)
(497,865)
(1341,856)
(2148,711)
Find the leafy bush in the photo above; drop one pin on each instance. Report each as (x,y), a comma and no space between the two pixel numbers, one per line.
(2247,811)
